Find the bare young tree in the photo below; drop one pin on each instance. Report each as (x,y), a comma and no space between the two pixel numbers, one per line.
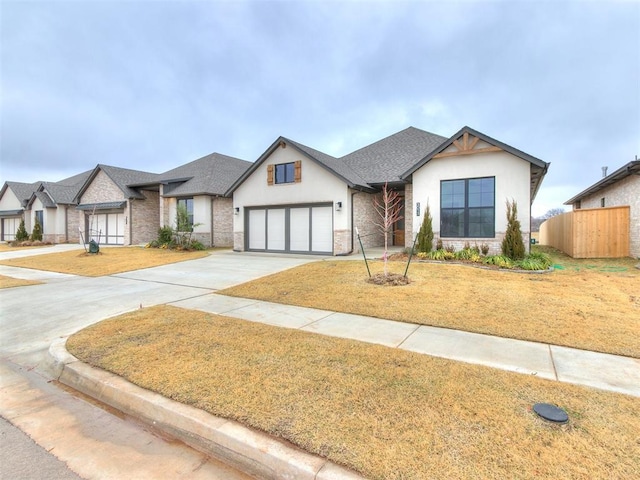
(389,209)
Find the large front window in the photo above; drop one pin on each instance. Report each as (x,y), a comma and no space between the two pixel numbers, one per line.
(467,208)
(185,214)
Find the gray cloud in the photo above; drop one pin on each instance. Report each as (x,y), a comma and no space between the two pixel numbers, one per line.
(152,85)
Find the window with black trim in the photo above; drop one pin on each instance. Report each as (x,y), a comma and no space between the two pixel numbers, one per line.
(187,205)
(467,208)
(285,172)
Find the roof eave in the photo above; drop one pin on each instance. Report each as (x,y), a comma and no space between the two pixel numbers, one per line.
(631,168)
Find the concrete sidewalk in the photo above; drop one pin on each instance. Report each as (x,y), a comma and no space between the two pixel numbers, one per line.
(599,370)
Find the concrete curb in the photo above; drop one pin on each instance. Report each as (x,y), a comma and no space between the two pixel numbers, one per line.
(252,452)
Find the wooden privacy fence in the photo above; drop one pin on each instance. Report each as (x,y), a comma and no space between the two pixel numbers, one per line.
(589,233)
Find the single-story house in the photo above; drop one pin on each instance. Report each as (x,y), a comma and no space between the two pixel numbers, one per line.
(127,207)
(619,188)
(51,203)
(296,199)
(111,212)
(200,187)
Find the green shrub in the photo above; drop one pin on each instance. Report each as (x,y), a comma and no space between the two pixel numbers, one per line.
(165,235)
(501,261)
(21,233)
(196,245)
(530,263)
(425,235)
(512,244)
(542,257)
(463,254)
(36,233)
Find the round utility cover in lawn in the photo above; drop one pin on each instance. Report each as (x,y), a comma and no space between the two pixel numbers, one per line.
(551,413)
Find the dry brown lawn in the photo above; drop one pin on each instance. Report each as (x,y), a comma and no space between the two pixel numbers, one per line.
(10,282)
(586,304)
(386,413)
(107,262)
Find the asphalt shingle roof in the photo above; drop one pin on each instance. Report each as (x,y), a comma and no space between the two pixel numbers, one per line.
(333,163)
(45,199)
(209,175)
(387,159)
(123,177)
(23,190)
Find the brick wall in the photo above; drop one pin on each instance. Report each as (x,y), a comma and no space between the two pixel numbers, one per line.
(145,218)
(408,216)
(223,222)
(102,189)
(238,241)
(622,193)
(73,223)
(364,216)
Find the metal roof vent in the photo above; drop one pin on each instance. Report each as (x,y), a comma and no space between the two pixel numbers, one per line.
(604,171)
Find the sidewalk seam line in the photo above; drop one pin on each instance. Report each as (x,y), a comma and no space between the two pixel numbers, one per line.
(407,337)
(553,363)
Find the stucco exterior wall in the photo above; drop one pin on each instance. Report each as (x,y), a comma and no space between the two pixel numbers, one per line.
(512,181)
(145,218)
(9,201)
(624,192)
(317,185)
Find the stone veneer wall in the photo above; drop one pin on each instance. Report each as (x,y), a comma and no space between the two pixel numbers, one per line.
(495,244)
(624,192)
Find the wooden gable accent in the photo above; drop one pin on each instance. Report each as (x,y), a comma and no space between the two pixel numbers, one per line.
(466,146)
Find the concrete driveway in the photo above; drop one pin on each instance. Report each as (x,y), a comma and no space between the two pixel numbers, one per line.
(93,442)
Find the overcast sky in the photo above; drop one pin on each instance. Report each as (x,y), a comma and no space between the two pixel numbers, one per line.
(152,85)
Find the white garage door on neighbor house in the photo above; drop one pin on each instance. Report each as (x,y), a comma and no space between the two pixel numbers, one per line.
(9,228)
(290,229)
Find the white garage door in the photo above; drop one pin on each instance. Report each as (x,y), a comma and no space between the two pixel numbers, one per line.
(299,229)
(9,228)
(107,228)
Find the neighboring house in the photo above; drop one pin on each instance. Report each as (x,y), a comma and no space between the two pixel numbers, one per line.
(200,187)
(112,212)
(127,207)
(52,203)
(14,197)
(620,188)
(295,199)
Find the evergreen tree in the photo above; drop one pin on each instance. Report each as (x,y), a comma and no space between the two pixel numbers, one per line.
(512,244)
(36,234)
(425,235)
(21,234)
